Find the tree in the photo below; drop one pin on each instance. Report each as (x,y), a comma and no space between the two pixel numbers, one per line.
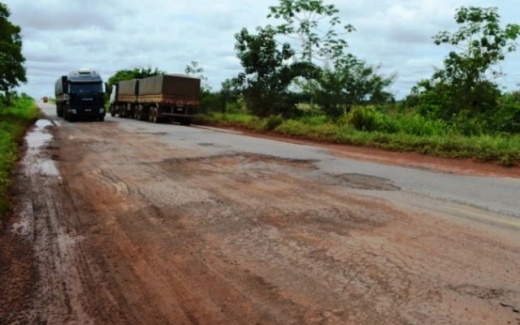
(351,82)
(12,70)
(465,80)
(303,21)
(227,94)
(267,75)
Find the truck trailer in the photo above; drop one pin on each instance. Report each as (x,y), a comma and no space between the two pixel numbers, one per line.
(80,95)
(123,98)
(169,97)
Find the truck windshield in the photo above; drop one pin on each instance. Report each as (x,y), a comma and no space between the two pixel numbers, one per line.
(86,88)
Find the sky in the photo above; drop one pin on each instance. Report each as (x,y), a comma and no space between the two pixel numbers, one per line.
(107,36)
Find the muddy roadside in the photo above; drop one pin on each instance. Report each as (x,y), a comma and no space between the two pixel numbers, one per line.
(128,230)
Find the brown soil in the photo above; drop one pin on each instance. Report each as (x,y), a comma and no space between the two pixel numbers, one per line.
(139,232)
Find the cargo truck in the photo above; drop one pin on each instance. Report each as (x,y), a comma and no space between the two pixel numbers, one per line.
(169,97)
(80,95)
(123,98)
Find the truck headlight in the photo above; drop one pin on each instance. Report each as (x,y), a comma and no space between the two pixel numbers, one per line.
(101,110)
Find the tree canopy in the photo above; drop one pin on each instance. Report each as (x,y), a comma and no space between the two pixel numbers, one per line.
(12,70)
(351,82)
(304,20)
(467,80)
(268,73)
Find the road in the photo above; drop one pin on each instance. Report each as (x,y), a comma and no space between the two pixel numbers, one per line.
(137,223)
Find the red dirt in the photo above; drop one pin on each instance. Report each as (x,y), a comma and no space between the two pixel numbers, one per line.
(139,232)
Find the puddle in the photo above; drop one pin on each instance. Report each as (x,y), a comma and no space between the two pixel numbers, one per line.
(38,136)
(35,162)
(36,139)
(45,167)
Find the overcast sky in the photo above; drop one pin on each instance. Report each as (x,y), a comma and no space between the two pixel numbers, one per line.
(107,36)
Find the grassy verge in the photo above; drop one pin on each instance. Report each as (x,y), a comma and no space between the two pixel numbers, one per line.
(406,135)
(14,120)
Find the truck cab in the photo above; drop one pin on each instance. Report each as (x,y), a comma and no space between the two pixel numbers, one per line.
(80,95)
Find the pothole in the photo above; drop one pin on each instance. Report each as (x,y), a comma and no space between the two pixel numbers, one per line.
(365,182)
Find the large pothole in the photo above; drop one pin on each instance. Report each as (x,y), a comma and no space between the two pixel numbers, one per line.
(365,182)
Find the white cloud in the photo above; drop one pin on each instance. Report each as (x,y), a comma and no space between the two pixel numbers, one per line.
(62,35)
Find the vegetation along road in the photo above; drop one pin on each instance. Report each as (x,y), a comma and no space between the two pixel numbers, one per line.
(141,223)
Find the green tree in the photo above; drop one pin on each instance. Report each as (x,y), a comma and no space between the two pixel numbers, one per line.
(227,94)
(465,83)
(303,20)
(351,82)
(12,70)
(268,73)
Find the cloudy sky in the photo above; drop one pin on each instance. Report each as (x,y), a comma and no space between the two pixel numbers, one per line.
(107,36)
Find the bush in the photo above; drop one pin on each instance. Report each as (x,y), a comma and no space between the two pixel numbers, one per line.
(273,122)
(363,119)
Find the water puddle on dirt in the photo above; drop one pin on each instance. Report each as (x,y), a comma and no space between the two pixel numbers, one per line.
(38,136)
(35,162)
(36,139)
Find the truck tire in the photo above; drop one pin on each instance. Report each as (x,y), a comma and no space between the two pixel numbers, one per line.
(154,115)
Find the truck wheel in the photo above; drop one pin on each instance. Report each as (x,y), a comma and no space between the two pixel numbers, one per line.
(153,115)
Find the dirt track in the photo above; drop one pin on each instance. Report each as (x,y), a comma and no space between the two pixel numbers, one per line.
(133,231)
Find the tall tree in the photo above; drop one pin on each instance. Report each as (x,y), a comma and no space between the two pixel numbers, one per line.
(267,75)
(303,21)
(351,82)
(464,83)
(12,70)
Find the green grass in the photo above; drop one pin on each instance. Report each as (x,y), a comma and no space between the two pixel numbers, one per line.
(14,120)
(369,128)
